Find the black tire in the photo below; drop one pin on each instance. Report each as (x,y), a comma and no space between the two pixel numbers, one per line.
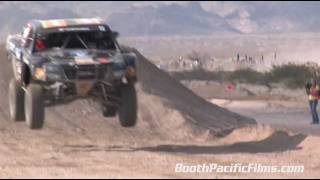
(128,107)
(16,101)
(34,106)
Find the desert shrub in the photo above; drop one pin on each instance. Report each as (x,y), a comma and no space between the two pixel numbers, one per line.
(291,75)
(200,74)
(247,76)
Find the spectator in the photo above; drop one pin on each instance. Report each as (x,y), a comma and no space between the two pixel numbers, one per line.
(312,89)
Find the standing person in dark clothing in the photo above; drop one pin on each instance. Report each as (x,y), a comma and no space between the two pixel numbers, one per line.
(312,89)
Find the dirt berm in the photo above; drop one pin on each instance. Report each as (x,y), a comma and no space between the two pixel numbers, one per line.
(176,97)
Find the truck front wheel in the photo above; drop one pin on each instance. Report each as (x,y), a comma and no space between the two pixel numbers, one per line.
(16,101)
(34,106)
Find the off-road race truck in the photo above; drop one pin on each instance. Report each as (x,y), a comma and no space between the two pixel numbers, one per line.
(58,61)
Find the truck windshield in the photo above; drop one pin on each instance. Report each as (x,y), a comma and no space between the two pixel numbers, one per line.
(75,40)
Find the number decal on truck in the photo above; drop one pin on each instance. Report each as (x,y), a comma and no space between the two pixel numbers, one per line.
(84,60)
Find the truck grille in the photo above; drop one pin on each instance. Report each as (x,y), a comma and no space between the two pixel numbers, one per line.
(87,72)
(70,73)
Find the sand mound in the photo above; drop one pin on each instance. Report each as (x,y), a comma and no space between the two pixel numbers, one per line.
(166,109)
(194,109)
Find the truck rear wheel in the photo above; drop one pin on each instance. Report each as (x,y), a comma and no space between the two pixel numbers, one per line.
(34,106)
(16,101)
(128,106)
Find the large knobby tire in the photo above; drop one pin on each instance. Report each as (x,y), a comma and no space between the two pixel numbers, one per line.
(128,106)
(34,106)
(109,111)
(16,101)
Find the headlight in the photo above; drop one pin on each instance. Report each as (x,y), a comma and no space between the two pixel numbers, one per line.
(39,73)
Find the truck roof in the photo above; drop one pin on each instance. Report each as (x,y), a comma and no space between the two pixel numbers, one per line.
(55,24)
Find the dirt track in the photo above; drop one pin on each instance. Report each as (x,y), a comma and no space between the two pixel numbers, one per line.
(174,126)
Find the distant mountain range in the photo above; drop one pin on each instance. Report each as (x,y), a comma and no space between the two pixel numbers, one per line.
(173,18)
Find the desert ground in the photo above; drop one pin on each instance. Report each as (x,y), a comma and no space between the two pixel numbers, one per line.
(175,125)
